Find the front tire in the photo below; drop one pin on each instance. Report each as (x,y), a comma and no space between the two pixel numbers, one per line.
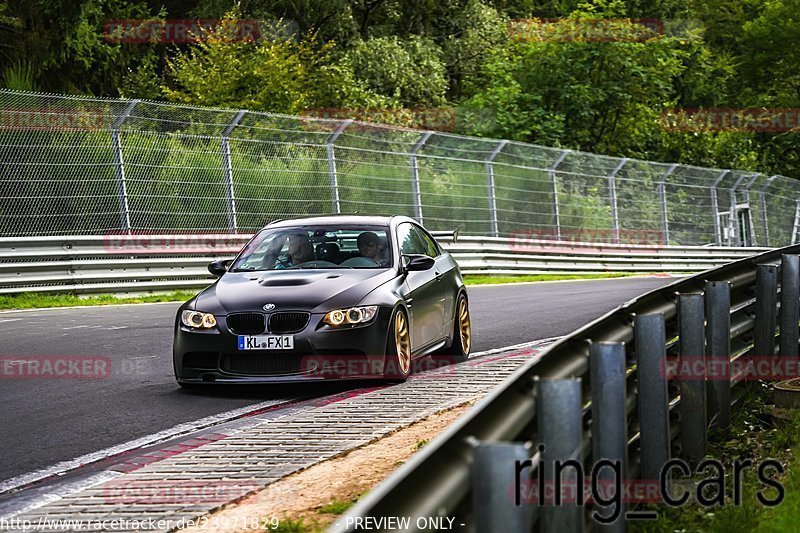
(398,349)
(458,351)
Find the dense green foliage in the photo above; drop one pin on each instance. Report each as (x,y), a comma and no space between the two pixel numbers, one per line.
(549,80)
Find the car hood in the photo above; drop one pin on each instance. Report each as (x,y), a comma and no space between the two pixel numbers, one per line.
(307,290)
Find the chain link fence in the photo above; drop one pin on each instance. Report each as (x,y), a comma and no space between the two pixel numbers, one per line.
(75,165)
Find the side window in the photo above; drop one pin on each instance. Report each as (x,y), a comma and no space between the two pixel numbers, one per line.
(408,239)
(431,249)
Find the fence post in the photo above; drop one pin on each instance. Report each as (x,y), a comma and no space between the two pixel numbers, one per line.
(662,197)
(332,175)
(790,305)
(763,198)
(491,187)
(609,428)
(493,472)
(718,351)
(766,311)
(750,240)
(559,418)
(651,359)
(715,206)
(693,406)
(415,188)
(227,169)
(612,197)
(732,226)
(554,182)
(119,167)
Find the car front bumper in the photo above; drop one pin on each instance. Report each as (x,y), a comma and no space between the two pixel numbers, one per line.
(320,353)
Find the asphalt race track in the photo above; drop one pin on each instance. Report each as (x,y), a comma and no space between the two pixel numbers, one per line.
(46,421)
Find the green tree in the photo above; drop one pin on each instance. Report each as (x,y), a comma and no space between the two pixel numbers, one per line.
(278,75)
(410,71)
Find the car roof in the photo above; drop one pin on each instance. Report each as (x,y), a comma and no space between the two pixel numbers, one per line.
(371,220)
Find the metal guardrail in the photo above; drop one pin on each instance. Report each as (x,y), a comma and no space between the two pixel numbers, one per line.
(601,393)
(130,263)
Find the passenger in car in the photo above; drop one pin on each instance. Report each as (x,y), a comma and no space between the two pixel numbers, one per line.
(369,245)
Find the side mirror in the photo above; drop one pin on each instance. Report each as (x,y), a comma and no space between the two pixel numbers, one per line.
(218,268)
(415,262)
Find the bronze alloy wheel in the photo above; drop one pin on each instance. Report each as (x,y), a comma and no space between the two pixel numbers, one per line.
(464,327)
(402,344)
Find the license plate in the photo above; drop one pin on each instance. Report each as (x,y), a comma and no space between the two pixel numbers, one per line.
(266,342)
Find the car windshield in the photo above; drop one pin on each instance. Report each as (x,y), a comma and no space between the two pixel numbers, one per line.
(306,247)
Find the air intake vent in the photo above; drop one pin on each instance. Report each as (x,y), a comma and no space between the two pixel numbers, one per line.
(288,322)
(246,323)
(261,364)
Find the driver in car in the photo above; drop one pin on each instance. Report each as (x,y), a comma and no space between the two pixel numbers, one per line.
(300,251)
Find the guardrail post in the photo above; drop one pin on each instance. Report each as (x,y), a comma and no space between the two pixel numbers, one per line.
(715,206)
(333,177)
(692,408)
(415,188)
(558,413)
(227,169)
(493,472)
(762,194)
(119,167)
(609,428)
(612,197)
(718,352)
(491,187)
(790,305)
(651,359)
(766,311)
(554,183)
(662,197)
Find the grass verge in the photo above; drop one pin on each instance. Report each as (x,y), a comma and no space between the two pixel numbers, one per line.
(32,300)
(475,279)
(759,432)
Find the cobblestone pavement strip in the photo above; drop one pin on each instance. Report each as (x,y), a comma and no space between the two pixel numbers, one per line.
(180,485)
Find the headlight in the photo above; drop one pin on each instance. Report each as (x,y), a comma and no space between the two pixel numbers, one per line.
(353,315)
(198,319)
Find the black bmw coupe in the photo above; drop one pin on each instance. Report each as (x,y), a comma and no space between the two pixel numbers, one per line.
(337,297)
